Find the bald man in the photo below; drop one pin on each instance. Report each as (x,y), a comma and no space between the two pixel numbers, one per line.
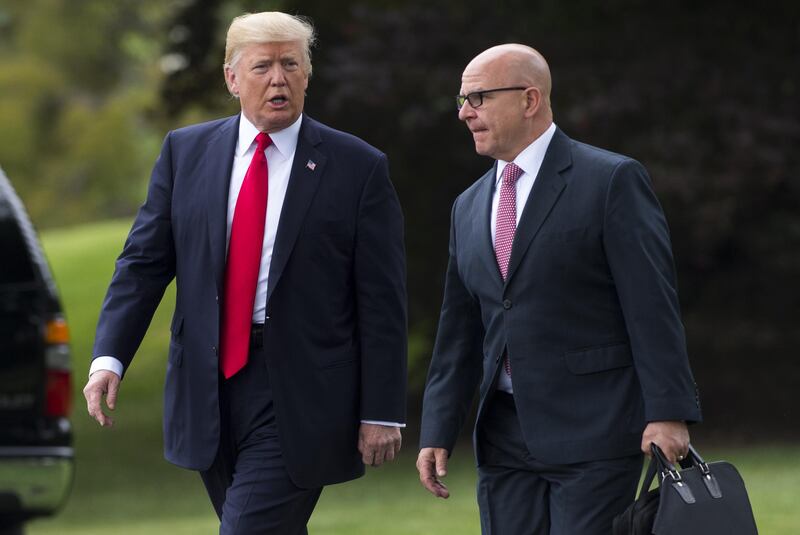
(560,302)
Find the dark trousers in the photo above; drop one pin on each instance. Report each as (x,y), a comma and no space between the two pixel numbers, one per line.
(248,484)
(519,495)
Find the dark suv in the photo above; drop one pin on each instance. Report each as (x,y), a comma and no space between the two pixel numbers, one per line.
(36,455)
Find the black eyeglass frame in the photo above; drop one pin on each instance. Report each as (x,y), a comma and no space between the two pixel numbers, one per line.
(469,97)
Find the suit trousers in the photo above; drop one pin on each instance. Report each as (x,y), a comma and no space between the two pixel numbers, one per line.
(520,495)
(248,483)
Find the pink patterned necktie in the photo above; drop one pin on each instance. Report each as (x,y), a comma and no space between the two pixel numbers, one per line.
(244,261)
(506,224)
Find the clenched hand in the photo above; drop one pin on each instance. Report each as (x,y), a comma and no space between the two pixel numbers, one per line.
(671,436)
(378,443)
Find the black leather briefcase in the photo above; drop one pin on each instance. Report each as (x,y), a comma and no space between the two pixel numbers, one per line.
(701,499)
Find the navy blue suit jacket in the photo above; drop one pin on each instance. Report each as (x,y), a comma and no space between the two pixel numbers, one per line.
(589,312)
(336,305)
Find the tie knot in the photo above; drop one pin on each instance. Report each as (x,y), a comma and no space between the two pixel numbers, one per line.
(511,173)
(263,141)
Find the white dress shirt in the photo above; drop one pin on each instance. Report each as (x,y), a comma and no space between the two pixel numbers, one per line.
(529,160)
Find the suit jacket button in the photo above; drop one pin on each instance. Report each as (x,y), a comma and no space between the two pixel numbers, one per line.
(507,304)
(214,349)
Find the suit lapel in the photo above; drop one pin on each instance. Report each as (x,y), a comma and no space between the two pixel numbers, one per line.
(482,223)
(545,193)
(216,166)
(303,182)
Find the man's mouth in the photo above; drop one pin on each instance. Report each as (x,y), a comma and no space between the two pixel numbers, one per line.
(278,101)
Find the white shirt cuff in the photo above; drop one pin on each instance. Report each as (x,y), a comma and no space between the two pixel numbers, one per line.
(387,424)
(106,363)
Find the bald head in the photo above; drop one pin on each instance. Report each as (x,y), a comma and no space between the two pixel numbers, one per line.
(505,93)
(515,64)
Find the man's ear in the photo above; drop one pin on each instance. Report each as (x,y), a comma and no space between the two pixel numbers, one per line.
(230,81)
(533,101)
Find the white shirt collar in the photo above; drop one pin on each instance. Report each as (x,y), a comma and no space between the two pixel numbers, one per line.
(285,141)
(531,157)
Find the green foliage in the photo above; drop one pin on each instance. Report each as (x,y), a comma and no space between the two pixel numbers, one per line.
(30,94)
(104,165)
(78,81)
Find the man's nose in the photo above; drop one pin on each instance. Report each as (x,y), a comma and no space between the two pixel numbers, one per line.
(466,111)
(278,77)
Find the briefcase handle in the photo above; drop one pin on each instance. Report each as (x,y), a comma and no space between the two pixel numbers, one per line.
(665,467)
(659,464)
(693,459)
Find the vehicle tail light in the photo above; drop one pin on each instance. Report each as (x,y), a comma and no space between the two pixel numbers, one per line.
(58,389)
(56,332)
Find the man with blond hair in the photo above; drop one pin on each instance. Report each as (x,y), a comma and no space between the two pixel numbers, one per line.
(286,368)
(560,301)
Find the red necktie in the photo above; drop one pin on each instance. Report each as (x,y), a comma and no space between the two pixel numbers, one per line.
(506,224)
(244,261)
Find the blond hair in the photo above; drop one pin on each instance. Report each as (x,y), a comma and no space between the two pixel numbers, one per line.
(268,27)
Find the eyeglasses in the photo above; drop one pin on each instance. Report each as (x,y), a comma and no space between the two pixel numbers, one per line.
(475,98)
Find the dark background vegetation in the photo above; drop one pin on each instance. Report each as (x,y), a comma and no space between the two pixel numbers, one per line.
(705,94)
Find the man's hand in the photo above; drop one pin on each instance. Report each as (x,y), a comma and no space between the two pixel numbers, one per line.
(432,465)
(378,443)
(671,436)
(102,383)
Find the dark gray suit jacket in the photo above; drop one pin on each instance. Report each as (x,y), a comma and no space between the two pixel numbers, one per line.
(589,312)
(335,336)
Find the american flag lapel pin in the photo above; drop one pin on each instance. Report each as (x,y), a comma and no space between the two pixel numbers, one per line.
(311,165)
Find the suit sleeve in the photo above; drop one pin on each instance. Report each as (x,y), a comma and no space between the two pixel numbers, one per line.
(639,254)
(143,270)
(380,283)
(456,365)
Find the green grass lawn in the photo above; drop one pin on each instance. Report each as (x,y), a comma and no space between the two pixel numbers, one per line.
(123,485)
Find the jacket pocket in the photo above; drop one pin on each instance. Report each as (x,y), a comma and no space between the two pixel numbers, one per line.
(599,359)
